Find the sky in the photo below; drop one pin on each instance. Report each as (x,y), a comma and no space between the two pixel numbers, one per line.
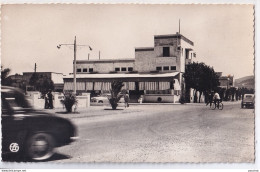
(223,35)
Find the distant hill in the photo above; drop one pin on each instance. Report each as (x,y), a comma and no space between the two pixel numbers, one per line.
(247,81)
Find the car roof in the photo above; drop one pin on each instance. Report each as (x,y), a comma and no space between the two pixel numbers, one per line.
(249,94)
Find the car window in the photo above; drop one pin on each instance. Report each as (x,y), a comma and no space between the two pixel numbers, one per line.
(15,100)
(249,96)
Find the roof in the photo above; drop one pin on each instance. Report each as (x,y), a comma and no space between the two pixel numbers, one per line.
(144,49)
(106,60)
(125,75)
(173,36)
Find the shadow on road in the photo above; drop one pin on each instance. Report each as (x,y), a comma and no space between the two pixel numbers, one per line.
(113,109)
(21,158)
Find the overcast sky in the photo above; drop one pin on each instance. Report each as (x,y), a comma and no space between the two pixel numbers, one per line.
(222,34)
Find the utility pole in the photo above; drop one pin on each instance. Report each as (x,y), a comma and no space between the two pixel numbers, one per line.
(74,62)
(179,26)
(35,66)
(74,66)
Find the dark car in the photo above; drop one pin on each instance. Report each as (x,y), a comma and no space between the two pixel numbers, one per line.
(248,101)
(28,132)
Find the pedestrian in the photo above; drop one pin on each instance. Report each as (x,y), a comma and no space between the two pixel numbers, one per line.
(50,99)
(126,97)
(140,100)
(210,98)
(46,105)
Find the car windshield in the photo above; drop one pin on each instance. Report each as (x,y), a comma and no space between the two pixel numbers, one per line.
(249,96)
(15,99)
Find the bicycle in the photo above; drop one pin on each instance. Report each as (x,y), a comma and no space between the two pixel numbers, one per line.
(214,105)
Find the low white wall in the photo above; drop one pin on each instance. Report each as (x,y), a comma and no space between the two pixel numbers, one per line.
(164,98)
(38,103)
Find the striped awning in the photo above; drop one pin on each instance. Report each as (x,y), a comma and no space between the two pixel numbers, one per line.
(98,85)
(131,85)
(80,86)
(68,86)
(164,85)
(106,86)
(89,86)
(141,85)
(125,87)
(151,85)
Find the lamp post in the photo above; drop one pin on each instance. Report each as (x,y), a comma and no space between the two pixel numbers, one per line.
(74,63)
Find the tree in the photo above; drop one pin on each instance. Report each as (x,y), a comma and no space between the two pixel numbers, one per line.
(33,80)
(41,83)
(201,78)
(116,87)
(4,76)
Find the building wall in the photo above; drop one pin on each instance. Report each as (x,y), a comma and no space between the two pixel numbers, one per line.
(183,53)
(145,61)
(104,67)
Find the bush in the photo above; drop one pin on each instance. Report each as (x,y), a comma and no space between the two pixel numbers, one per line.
(116,87)
(69,100)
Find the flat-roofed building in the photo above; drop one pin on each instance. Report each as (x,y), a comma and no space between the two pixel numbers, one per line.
(155,72)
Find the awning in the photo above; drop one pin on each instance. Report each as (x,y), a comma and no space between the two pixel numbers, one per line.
(125,75)
(68,86)
(89,86)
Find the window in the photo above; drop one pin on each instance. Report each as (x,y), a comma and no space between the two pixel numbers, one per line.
(123,69)
(173,67)
(166,51)
(78,70)
(117,69)
(90,70)
(165,67)
(158,68)
(85,70)
(130,69)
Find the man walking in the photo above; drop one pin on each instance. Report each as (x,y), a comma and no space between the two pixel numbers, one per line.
(126,97)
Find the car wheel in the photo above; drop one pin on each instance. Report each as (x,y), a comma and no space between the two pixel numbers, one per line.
(40,146)
(100,101)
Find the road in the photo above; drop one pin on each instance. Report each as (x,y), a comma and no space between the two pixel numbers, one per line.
(162,133)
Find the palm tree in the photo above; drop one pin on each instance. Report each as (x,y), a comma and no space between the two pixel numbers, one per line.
(116,87)
(4,76)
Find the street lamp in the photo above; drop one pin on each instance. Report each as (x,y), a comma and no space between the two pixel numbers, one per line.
(74,65)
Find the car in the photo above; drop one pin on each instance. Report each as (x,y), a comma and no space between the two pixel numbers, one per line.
(100,99)
(104,98)
(33,134)
(248,101)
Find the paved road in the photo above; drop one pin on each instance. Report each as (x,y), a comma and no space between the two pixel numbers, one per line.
(162,133)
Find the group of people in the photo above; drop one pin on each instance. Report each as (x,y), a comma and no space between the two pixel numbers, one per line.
(48,100)
(213,97)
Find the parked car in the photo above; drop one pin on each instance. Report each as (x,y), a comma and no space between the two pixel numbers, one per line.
(103,98)
(248,101)
(28,132)
(100,99)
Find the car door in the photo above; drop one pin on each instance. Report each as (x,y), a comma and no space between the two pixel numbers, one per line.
(13,125)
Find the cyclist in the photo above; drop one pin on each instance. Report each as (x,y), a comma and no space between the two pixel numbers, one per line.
(216,99)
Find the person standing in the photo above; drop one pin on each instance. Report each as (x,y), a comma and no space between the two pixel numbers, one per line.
(126,97)
(46,105)
(50,99)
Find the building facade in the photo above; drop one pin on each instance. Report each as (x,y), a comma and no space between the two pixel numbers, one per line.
(155,72)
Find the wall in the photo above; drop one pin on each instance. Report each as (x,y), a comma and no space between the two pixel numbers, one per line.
(38,103)
(105,67)
(164,98)
(145,61)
